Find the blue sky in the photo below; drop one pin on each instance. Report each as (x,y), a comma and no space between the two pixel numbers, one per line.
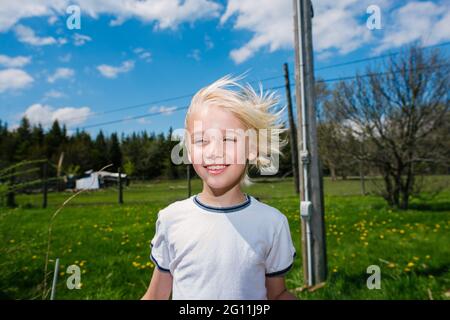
(131,52)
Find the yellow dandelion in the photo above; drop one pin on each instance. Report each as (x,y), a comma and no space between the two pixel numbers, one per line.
(381,236)
(391,265)
(366,244)
(12,240)
(34,257)
(416,258)
(428,257)
(402,231)
(407,270)
(61,273)
(410,264)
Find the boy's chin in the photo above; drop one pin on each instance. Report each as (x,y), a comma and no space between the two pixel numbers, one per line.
(221,183)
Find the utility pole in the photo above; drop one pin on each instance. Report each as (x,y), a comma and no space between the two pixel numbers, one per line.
(311,187)
(292,128)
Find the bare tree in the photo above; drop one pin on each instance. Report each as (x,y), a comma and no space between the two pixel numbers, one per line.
(399,114)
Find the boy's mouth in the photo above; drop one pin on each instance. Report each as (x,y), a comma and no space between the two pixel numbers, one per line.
(216,168)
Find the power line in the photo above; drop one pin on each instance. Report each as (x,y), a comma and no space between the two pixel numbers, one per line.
(140,105)
(152,114)
(135,117)
(144,104)
(261,80)
(377,57)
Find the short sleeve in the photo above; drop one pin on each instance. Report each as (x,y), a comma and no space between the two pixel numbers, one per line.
(282,253)
(159,247)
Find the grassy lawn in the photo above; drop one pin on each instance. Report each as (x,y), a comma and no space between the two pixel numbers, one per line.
(110,243)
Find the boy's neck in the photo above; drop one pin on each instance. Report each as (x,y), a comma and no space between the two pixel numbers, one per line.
(222,198)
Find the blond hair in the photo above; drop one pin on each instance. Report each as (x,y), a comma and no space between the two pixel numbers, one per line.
(254,110)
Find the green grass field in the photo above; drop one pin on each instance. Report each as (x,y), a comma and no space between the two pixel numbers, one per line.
(110,242)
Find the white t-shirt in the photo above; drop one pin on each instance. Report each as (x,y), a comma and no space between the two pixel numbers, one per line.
(221,253)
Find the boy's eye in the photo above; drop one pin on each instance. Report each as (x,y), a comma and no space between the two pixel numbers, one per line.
(231,139)
(199,141)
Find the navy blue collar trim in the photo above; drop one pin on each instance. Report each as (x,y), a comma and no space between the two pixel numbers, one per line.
(238,207)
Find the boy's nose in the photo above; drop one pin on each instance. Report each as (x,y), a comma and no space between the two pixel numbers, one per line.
(213,152)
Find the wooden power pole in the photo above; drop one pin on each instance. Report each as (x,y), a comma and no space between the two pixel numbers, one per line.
(311,187)
(292,128)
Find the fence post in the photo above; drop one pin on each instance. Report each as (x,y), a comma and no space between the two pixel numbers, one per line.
(44,184)
(120,187)
(55,280)
(189,179)
(10,199)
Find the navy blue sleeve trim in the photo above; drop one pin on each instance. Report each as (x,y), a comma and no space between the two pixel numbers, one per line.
(156,262)
(281,272)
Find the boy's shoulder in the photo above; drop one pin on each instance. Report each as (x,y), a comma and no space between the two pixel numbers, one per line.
(269,212)
(176,207)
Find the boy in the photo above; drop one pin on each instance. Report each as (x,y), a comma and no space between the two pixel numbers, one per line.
(222,243)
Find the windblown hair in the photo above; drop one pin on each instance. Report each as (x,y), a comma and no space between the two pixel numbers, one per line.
(255,110)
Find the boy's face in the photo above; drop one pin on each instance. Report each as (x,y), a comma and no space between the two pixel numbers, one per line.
(217,147)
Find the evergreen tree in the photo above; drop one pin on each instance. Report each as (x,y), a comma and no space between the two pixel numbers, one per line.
(114,152)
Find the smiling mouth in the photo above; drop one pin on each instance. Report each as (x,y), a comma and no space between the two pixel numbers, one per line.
(216,168)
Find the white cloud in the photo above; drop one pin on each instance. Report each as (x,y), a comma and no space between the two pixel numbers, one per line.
(144,121)
(14,79)
(335,25)
(426,22)
(53,94)
(61,73)
(27,35)
(46,115)
(14,62)
(80,39)
(52,20)
(165,13)
(162,109)
(143,54)
(112,72)
(195,54)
